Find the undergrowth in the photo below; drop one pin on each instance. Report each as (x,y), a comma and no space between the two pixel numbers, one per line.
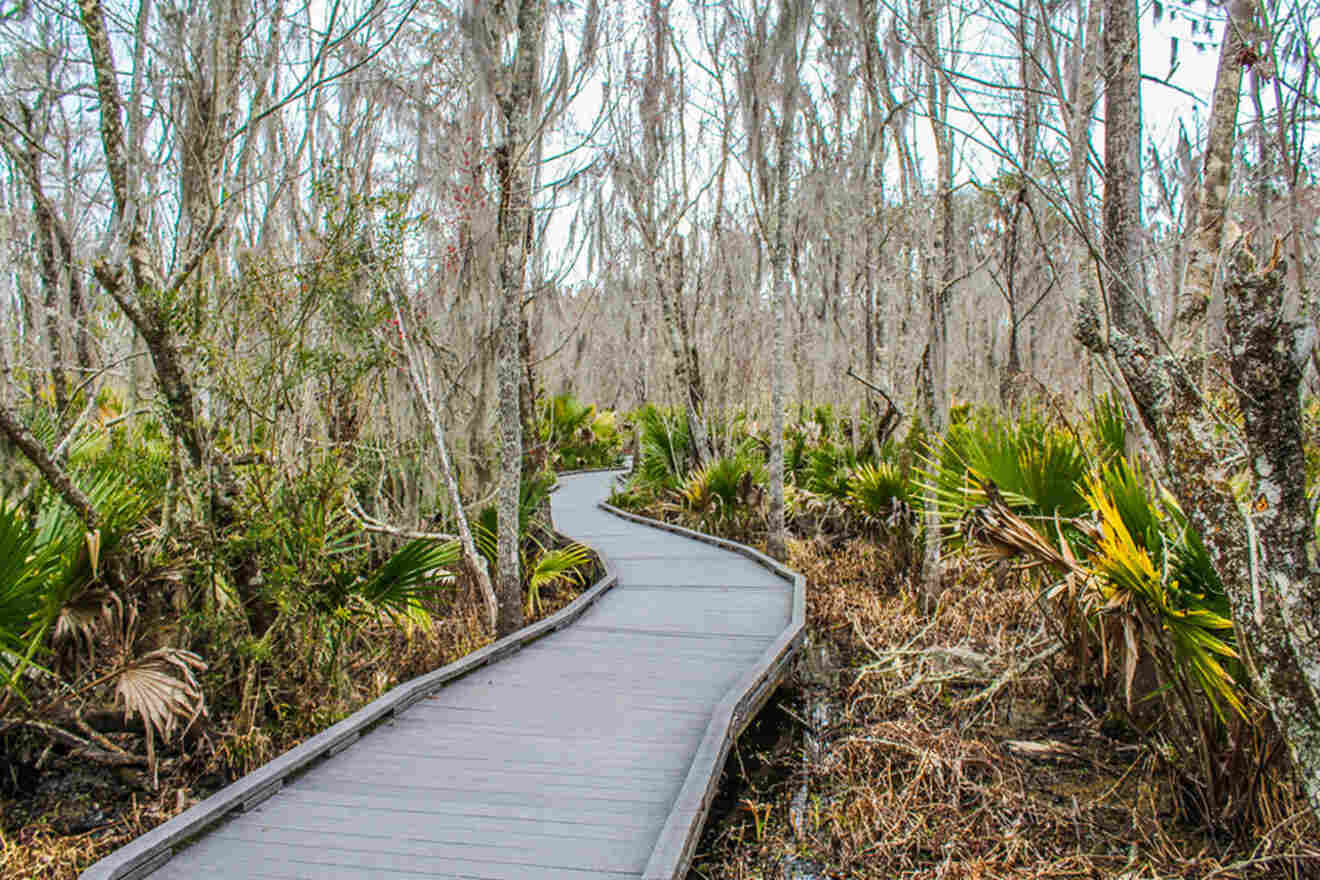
(953,745)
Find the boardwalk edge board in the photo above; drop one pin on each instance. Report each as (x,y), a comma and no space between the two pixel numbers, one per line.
(146,854)
(682,830)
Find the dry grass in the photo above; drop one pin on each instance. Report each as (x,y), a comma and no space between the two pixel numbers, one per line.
(954,746)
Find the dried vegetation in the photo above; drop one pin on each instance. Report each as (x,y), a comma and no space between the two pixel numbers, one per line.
(956,745)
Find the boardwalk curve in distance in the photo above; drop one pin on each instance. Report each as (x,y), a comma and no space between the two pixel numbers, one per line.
(589,751)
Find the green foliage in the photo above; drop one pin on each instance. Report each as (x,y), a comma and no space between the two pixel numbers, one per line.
(1107,428)
(666,447)
(828,471)
(562,565)
(825,421)
(408,577)
(796,454)
(1138,585)
(1159,576)
(26,567)
(724,489)
(577,435)
(876,490)
(532,495)
(1037,469)
(49,559)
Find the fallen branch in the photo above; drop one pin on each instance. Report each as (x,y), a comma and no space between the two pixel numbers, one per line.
(371,524)
(1008,676)
(84,748)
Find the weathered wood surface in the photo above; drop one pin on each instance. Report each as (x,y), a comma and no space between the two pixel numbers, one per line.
(590,753)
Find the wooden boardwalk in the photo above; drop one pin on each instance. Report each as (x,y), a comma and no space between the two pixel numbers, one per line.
(588,754)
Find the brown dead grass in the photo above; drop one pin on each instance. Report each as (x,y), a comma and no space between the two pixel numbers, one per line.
(921,772)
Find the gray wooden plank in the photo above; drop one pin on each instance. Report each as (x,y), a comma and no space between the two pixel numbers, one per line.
(224,861)
(512,816)
(406,821)
(375,843)
(442,794)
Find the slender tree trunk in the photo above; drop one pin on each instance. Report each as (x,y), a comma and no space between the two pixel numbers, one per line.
(137,286)
(473,561)
(1124,290)
(514,215)
(1207,238)
(777,540)
(939,291)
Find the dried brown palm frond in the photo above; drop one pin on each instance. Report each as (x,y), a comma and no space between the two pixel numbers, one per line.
(162,689)
(83,617)
(993,532)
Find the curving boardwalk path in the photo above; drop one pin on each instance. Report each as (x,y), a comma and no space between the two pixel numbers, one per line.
(589,754)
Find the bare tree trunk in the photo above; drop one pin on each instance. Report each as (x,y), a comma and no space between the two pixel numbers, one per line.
(777,540)
(473,561)
(938,292)
(1124,290)
(1207,239)
(516,103)
(136,290)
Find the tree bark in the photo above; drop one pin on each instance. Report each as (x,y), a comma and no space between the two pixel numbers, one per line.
(473,561)
(1207,238)
(20,436)
(777,540)
(1124,290)
(516,103)
(939,291)
(1276,602)
(139,293)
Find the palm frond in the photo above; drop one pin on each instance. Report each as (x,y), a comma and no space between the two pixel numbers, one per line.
(566,565)
(1197,637)
(161,688)
(416,571)
(874,490)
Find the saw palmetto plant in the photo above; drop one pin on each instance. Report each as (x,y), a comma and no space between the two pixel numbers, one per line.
(665,447)
(26,568)
(727,490)
(1131,583)
(880,492)
(552,567)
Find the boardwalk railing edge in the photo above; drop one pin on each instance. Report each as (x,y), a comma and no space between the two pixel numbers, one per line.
(682,830)
(151,851)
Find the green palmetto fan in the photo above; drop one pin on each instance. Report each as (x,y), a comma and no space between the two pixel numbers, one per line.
(1139,577)
(724,485)
(666,447)
(50,563)
(26,568)
(415,572)
(565,415)
(1106,428)
(829,470)
(532,493)
(562,565)
(1034,469)
(875,490)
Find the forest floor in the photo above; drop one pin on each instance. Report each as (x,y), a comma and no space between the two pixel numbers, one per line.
(952,745)
(59,812)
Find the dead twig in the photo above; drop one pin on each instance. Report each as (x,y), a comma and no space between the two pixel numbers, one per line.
(371,524)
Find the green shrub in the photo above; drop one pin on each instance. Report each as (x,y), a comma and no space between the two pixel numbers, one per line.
(665,455)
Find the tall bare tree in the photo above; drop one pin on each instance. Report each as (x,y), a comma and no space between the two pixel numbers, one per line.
(769,88)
